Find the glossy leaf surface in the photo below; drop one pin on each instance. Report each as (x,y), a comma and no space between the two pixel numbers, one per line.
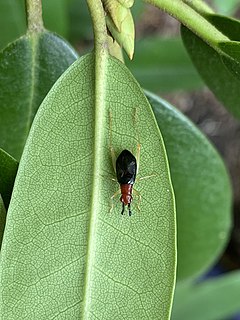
(220,70)
(202,190)
(28,69)
(64,255)
(220,296)
(8,171)
(163,65)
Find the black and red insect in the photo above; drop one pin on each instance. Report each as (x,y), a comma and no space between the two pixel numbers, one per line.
(126,171)
(126,167)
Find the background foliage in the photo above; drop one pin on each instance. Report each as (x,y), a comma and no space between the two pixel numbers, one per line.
(200,179)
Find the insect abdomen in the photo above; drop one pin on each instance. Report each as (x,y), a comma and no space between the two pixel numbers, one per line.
(126,191)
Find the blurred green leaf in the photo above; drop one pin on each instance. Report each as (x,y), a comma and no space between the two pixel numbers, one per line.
(60,239)
(12,21)
(2,219)
(202,190)
(137,9)
(8,171)
(80,24)
(210,300)
(68,18)
(28,69)
(56,18)
(163,65)
(55,14)
(220,70)
(226,7)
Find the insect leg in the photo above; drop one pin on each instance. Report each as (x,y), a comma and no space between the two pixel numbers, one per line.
(138,156)
(135,120)
(146,177)
(113,155)
(112,198)
(136,193)
(113,158)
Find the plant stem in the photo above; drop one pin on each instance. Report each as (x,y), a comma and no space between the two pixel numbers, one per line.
(99,26)
(101,53)
(199,6)
(101,64)
(34,16)
(192,20)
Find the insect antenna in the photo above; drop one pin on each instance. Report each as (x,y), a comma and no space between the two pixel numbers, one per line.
(123,208)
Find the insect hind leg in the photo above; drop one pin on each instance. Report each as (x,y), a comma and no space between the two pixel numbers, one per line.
(138,156)
(112,198)
(135,121)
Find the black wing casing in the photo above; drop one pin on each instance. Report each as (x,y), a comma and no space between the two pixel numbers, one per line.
(126,168)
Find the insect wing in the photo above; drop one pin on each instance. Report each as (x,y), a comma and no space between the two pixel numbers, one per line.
(126,167)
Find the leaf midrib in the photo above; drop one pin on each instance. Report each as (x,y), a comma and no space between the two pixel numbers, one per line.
(34,41)
(100,68)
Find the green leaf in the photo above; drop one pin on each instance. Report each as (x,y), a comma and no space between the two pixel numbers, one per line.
(28,69)
(226,7)
(121,26)
(219,296)
(65,255)
(13,18)
(2,219)
(163,65)
(55,14)
(202,190)
(220,70)
(12,21)
(8,171)
(80,24)
(137,9)
(228,26)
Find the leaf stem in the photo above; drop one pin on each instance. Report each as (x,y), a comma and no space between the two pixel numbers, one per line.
(191,19)
(34,16)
